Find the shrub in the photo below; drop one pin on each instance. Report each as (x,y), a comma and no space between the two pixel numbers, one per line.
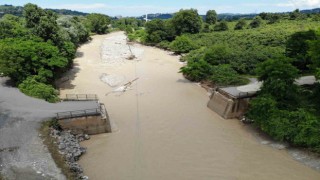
(164,45)
(182,44)
(222,26)
(217,54)
(256,22)
(224,75)
(129,30)
(241,24)
(138,35)
(33,88)
(194,55)
(196,70)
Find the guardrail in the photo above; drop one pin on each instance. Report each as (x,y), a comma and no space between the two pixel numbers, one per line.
(79,113)
(81,97)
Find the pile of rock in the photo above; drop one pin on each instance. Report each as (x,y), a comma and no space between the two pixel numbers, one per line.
(69,147)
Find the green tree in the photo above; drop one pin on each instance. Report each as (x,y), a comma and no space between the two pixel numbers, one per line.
(295,14)
(241,24)
(98,23)
(20,59)
(75,28)
(261,109)
(218,54)
(47,27)
(278,76)
(222,26)
(12,26)
(274,18)
(159,30)
(313,49)
(256,22)
(297,48)
(224,75)
(187,21)
(264,15)
(211,17)
(32,13)
(156,31)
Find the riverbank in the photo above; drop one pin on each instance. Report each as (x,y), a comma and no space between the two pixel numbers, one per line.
(25,156)
(51,144)
(162,128)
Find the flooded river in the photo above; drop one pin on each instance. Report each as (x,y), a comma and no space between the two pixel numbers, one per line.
(162,127)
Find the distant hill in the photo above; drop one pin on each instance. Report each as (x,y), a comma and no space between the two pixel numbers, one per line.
(227,16)
(9,9)
(68,12)
(18,10)
(311,11)
(157,16)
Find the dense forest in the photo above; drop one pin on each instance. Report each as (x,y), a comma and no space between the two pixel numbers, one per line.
(276,48)
(38,47)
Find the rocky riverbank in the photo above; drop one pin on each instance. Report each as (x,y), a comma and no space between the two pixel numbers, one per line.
(68,145)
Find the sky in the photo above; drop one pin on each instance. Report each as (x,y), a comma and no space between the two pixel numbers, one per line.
(140,7)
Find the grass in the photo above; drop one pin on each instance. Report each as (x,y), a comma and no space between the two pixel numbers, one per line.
(53,149)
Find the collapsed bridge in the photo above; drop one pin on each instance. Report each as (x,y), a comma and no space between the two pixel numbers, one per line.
(87,121)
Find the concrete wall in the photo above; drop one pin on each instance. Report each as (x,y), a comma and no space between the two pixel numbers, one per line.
(89,125)
(226,107)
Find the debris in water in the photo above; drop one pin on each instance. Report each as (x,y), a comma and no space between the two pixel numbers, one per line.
(123,88)
(112,80)
(132,57)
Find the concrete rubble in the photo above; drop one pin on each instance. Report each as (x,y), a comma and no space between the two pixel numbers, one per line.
(69,146)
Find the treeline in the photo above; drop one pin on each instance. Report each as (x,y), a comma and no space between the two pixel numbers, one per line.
(38,47)
(276,48)
(236,46)
(18,11)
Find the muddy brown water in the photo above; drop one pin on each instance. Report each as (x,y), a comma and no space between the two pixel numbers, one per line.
(163,129)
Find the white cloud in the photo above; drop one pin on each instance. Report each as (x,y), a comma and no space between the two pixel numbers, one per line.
(301,4)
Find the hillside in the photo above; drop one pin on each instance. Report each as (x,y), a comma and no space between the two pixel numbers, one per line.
(227,16)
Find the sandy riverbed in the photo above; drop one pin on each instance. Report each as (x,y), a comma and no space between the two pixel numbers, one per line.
(163,129)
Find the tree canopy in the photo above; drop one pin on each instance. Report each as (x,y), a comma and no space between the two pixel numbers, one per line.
(187,21)
(98,23)
(21,58)
(211,17)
